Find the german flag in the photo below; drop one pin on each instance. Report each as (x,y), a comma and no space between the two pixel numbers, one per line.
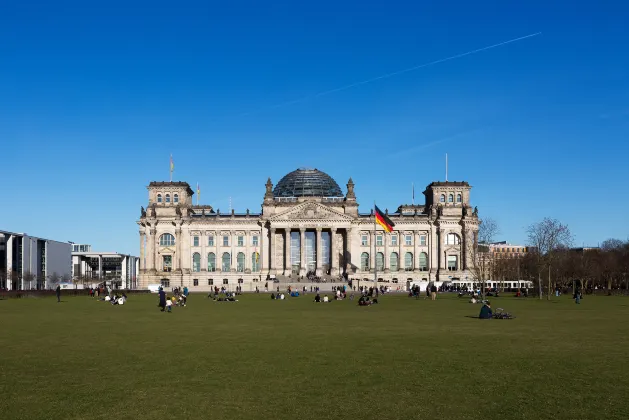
(384,221)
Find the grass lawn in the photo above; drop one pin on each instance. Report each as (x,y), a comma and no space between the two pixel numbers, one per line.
(294,359)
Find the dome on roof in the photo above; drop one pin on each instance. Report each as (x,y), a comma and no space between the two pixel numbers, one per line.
(307,183)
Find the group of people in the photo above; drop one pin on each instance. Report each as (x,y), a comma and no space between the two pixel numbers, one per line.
(179,298)
(430,292)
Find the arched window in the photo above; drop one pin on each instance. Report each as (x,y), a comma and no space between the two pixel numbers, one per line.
(196,262)
(453,239)
(423,261)
(459,198)
(168,198)
(450,198)
(442,198)
(226,261)
(364,261)
(211,262)
(408,261)
(394,263)
(175,198)
(166,240)
(159,198)
(380,261)
(240,261)
(255,262)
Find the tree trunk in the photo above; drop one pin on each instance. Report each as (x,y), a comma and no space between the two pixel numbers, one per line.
(539,284)
(609,286)
(550,290)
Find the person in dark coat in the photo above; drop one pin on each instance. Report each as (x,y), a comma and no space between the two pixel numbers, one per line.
(58,293)
(485,311)
(162,299)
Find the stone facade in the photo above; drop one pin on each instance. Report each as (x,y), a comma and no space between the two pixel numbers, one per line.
(186,245)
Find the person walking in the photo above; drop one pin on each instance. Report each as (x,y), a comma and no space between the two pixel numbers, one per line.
(162,299)
(185,295)
(433,292)
(58,293)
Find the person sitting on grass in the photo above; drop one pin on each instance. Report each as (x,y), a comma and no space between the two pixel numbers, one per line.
(485,311)
(273,296)
(317,298)
(325,298)
(169,304)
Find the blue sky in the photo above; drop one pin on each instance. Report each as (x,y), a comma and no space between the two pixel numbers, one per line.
(94,96)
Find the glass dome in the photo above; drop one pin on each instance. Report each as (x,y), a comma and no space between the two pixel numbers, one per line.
(307,183)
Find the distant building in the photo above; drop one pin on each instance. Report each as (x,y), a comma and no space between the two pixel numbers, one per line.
(29,262)
(506,250)
(90,268)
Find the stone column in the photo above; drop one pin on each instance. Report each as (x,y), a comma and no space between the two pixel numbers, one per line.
(272,251)
(287,269)
(142,262)
(415,251)
(248,256)
(373,251)
(387,257)
(10,262)
(333,256)
(347,251)
(100,267)
(177,260)
(302,251)
(319,252)
(154,245)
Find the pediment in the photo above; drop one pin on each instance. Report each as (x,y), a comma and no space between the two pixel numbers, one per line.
(311,211)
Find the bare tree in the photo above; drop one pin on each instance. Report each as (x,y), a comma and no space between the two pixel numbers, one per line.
(545,237)
(481,257)
(612,244)
(15,277)
(27,278)
(3,279)
(53,280)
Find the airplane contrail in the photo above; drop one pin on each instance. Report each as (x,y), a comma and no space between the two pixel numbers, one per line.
(395,73)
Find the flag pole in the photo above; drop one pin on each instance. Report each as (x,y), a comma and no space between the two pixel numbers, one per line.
(375,256)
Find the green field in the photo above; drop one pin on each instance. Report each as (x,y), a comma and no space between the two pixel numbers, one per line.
(294,359)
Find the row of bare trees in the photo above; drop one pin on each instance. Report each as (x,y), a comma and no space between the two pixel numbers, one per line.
(551,262)
(25,280)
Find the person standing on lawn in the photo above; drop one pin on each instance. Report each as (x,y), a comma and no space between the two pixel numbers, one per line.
(162,299)
(58,293)
(433,292)
(185,295)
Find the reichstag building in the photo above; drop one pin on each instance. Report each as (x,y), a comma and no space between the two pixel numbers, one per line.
(307,227)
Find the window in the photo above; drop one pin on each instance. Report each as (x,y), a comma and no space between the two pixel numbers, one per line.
(240,262)
(380,261)
(167,263)
(195,282)
(254,240)
(159,198)
(394,240)
(255,262)
(364,240)
(211,262)
(408,261)
(378,240)
(408,239)
(422,240)
(195,241)
(452,263)
(225,281)
(423,261)
(176,198)
(364,261)
(394,263)
(450,198)
(165,283)
(210,282)
(196,262)
(166,240)
(168,198)
(458,198)
(442,198)
(241,241)
(225,240)
(210,240)
(226,261)
(452,239)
